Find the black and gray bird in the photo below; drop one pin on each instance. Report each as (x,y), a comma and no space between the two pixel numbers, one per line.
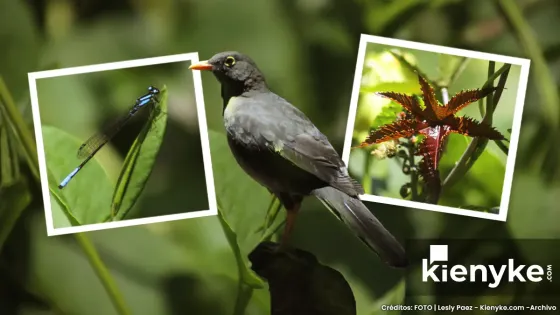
(279,147)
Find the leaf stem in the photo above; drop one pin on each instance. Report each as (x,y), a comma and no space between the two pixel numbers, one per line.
(102,273)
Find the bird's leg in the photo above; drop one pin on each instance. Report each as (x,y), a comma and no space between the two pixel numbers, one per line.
(291,214)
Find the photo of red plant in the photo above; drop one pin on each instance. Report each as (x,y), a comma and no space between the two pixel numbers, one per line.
(434,128)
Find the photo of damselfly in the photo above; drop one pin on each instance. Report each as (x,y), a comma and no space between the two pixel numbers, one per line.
(88,149)
(122,144)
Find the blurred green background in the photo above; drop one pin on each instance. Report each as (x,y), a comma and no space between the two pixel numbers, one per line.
(482,185)
(307,49)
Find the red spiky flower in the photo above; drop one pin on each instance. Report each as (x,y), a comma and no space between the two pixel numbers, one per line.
(435,122)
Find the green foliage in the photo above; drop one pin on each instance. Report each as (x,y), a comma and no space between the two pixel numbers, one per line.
(388,115)
(77,201)
(481,186)
(15,198)
(189,266)
(450,69)
(82,206)
(242,217)
(16,130)
(383,73)
(140,160)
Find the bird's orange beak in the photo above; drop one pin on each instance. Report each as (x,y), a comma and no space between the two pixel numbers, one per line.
(203,65)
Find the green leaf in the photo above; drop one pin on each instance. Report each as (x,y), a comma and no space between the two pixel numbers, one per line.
(140,160)
(62,217)
(15,199)
(82,204)
(242,217)
(145,262)
(388,115)
(481,185)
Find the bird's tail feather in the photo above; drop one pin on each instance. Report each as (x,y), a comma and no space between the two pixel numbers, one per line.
(364,224)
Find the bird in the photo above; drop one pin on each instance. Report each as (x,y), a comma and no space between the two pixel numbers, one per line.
(278,146)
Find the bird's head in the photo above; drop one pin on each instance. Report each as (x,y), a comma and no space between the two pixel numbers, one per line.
(234,70)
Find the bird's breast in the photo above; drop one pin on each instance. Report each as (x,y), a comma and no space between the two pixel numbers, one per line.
(244,124)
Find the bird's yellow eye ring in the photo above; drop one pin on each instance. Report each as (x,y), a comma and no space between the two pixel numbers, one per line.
(230,61)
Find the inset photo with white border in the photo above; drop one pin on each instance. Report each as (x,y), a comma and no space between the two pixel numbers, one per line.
(119,142)
(435,128)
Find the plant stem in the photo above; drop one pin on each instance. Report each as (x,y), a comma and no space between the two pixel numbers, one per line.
(15,121)
(244,294)
(502,146)
(460,67)
(483,110)
(413,172)
(366,180)
(23,134)
(268,236)
(268,212)
(487,118)
(102,273)
(543,76)
(15,198)
(460,167)
(477,145)
(274,209)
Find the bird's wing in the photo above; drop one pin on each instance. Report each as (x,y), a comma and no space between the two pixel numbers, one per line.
(300,142)
(316,156)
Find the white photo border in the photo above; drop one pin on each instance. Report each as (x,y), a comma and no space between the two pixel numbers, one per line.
(514,138)
(201,113)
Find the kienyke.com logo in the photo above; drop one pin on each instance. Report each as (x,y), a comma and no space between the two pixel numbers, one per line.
(434,270)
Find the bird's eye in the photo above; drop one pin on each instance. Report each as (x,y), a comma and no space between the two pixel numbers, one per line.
(230,61)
